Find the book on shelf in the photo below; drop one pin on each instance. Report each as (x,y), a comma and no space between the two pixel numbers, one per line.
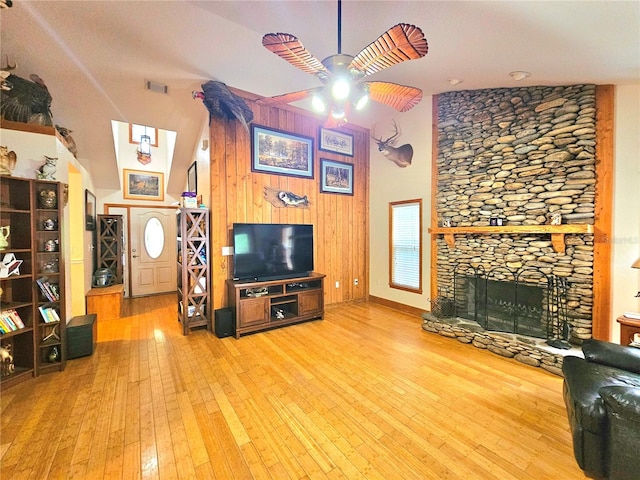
(16,318)
(4,327)
(49,314)
(50,290)
(10,321)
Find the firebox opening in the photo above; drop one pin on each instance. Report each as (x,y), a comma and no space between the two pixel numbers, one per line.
(504,306)
(522,303)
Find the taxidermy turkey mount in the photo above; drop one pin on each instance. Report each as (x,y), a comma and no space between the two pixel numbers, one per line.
(342,74)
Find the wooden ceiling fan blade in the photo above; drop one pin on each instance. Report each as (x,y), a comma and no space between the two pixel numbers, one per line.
(400,97)
(400,43)
(288,97)
(289,48)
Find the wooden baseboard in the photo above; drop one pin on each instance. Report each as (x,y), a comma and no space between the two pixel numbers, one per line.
(397,306)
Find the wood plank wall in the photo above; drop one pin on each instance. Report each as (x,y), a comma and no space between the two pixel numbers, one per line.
(341,222)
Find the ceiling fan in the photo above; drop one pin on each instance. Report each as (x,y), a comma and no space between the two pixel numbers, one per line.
(342,75)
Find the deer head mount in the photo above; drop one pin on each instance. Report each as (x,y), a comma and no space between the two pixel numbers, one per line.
(401,155)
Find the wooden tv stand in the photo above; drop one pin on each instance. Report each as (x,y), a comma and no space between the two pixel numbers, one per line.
(255,305)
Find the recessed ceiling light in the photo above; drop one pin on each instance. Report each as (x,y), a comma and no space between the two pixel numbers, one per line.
(454,81)
(519,75)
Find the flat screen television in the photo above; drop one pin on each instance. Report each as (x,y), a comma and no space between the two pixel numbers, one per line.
(271,251)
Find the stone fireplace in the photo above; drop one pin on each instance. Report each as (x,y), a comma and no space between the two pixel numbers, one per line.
(510,163)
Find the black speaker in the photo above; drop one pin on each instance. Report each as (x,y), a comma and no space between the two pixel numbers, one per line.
(224,323)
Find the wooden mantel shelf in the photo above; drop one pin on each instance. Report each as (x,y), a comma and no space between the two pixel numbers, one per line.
(557,232)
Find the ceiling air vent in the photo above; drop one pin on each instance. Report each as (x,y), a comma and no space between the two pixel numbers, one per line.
(156,87)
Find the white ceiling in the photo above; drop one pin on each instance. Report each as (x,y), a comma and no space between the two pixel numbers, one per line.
(95,55)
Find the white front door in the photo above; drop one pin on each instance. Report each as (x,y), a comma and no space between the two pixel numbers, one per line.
(153,251)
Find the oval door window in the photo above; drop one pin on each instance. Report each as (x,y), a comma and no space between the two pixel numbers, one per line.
(154,237)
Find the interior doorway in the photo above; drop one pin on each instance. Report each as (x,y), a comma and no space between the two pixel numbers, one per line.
(150,249)
(153,251)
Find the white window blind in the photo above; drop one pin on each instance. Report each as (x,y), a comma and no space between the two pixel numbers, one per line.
(405,245)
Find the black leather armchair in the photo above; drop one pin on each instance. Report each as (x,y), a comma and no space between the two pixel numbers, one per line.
(602,396)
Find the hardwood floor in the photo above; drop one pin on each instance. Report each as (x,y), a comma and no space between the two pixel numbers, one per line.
(364,393)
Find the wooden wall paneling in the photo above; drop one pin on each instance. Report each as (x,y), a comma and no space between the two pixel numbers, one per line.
(320,212)
(218,265)
(327,224)
(347,245)
(259,206)
(364,212)
(233,159)
(236,174)
(362,143)
(338,249)
(602,321)
(340,221)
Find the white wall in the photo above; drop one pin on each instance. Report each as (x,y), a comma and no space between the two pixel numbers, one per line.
(390,183)
(626,204)
(202,157)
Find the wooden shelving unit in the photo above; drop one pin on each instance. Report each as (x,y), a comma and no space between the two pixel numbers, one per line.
(194,292)
(49,268)
(31,212)
(110,244)
(263,305)
(557,232)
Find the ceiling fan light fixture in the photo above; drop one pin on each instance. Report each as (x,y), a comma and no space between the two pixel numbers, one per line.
(340,74)
(340,89)
(318,103)
(337,112)
(360,97)
(362,101)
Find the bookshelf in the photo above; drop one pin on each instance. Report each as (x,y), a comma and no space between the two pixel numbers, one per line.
(32,326)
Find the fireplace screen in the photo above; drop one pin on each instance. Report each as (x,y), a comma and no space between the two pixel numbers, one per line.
(526,303)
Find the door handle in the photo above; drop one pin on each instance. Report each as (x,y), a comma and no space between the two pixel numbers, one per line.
(135,256)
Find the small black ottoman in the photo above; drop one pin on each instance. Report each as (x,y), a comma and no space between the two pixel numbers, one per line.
(81,335)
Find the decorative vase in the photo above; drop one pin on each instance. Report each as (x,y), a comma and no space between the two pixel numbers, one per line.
(51,246)
(4,237)
(48,199)
(49,224)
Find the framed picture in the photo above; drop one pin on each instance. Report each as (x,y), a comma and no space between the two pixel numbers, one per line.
(281,153)
(89,210)
(192,178)
(139,185)
(334,141)
(336,177)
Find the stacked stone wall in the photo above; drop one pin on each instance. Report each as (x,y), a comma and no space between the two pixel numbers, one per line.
(520,155)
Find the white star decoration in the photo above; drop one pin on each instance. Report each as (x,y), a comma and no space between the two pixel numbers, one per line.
(9,266)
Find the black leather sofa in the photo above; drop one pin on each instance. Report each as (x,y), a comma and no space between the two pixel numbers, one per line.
(602,396)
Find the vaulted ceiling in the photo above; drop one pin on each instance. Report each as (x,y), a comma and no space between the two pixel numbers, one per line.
(96,55)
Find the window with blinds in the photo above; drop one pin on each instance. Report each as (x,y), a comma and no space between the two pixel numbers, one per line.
(405,245)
